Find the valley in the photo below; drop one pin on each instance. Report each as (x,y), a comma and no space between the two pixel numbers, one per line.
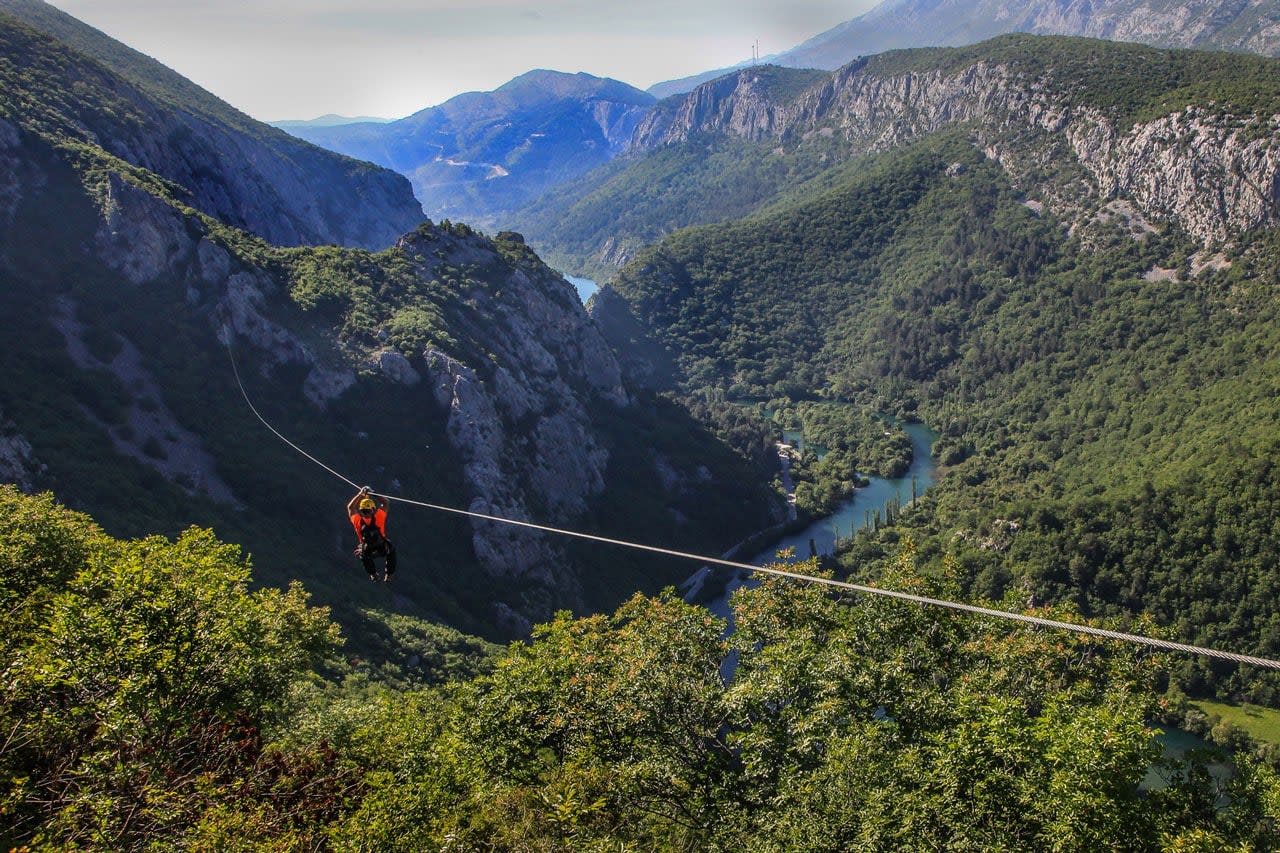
(1026,286)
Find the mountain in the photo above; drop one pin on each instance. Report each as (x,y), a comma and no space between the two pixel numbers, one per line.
(1251,26)
(229,166)
(482,153)
(1082,126)
(1058,252)
(450,367)
(721,170)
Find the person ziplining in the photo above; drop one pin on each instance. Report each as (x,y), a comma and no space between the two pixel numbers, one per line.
(368,514)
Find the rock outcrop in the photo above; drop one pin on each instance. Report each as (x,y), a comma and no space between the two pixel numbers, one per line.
(1213,173)
(737,105)
(519,420)
(17,460)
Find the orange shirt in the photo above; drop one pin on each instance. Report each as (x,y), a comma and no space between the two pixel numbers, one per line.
(379,519)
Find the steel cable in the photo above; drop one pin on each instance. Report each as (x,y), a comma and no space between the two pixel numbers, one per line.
(1155,642)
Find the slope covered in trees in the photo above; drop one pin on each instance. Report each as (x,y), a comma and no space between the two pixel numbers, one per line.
(76,88)
(1107,403)
(154,702)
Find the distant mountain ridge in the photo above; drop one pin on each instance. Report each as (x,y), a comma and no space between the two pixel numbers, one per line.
(1247,26)
(328,120)
(1251,26)
(229,166)
(481,153)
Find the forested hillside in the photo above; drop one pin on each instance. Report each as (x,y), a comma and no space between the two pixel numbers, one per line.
(1107,402)
(451,367)
(154,701)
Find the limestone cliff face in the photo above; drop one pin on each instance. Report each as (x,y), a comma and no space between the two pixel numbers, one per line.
(520,420)
(518,410)
(1213,174)
(736,104)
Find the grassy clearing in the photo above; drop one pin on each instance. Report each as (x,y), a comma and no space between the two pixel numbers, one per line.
(1261,723)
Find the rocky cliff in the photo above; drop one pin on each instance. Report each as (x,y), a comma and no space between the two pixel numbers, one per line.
(218,160)
(1212,169)
(517,419)
(743,104)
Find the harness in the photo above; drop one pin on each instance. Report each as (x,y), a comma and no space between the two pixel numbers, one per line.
(370,536)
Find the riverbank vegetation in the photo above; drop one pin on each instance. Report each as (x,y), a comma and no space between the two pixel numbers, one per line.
(154,702)
(1109,432)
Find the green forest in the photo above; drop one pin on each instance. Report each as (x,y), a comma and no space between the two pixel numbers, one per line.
(1106,397)
(154,701)
(1123,425)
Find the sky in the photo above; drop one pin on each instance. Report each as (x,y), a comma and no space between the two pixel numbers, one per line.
(299,59)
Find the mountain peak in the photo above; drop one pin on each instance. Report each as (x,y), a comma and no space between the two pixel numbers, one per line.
(563,84)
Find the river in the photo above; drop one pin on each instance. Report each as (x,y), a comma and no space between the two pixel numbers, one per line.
(585,287)
(851,516)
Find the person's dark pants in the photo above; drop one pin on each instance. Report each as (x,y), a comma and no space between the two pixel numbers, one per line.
(368,554)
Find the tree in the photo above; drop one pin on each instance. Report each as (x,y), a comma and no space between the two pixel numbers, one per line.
(134,704)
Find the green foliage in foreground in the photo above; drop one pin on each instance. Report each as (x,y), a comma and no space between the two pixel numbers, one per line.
(137,677)
(154,703)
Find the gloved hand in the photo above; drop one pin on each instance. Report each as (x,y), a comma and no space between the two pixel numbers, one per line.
(359,551)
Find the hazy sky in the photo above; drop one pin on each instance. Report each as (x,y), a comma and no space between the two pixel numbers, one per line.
(290,59)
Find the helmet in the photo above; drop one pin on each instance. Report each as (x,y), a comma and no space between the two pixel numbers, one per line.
(367,503)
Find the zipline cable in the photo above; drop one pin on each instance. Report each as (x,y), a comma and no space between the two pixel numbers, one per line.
(1167,645)
(226,331)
